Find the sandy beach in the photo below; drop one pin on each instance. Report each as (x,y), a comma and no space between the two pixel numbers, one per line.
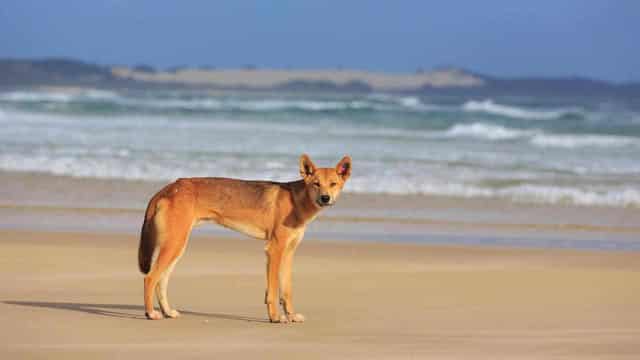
(366,283)
(78,295)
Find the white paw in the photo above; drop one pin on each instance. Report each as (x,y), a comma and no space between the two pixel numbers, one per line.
(296,318)
(154,315)
(173,314)
(283,319)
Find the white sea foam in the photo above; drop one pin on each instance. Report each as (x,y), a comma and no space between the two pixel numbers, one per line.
(404,149)
(267,105)
(477,130)
(195,103)
(383,101)
(410,101)
(118,163)
(60,97)
(375,103)
(618,197)
(537,137)
(490,107)
(486,131)
(565,195)
(274,105)
(25,96)
(577,141)
(96,94)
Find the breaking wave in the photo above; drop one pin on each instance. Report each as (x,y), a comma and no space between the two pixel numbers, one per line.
(122,164)
(486,131)
(62,97)
(577,141)
(538,137)
(403,144)
(211,103)
(490,107)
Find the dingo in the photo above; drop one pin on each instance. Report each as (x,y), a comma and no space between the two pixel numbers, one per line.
(271,211)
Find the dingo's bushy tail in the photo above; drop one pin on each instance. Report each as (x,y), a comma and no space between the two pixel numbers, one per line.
(147,237)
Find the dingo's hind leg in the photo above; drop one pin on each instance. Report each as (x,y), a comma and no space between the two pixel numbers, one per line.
(173,226)
(162,287)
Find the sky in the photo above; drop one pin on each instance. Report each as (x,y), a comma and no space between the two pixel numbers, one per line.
(507,38)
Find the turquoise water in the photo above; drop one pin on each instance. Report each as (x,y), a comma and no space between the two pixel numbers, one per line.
(581,151)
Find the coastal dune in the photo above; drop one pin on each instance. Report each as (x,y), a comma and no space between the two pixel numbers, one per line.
(267,78)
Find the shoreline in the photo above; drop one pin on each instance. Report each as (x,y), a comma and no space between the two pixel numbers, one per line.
(59,203)
(363,219)
(408,202)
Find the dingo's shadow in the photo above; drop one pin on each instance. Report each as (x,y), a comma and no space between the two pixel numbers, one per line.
(122,310)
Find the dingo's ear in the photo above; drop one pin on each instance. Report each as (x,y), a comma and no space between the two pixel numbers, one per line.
(307,168)
(344,168)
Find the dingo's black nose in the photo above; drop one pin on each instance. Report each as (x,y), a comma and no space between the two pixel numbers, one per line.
(325,199)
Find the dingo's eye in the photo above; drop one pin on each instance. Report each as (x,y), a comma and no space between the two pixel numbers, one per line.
(333,184)
(316,184)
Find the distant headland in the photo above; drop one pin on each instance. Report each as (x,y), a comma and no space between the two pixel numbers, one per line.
(443,81)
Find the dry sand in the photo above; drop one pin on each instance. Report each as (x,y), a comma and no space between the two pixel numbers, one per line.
(79,295)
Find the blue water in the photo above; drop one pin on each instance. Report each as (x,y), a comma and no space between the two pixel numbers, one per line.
(581,151)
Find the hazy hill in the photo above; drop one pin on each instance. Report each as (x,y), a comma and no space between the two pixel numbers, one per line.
(18,72)
(65,72)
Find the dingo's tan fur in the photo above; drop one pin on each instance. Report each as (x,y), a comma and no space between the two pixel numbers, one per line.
(275,212)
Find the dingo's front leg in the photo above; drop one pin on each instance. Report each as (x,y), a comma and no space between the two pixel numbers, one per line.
(285,288)
(274,258)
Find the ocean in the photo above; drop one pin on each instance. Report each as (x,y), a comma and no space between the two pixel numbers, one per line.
(558,150)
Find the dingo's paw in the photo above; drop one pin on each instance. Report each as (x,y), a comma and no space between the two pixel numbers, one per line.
(278,319)
(154,315)
(173,314)
(295,317)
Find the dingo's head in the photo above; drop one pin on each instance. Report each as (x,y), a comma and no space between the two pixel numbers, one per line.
(324,184)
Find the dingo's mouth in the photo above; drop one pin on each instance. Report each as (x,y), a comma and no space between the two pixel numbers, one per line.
(321,204)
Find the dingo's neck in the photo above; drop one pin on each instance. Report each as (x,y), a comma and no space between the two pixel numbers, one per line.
(304,207)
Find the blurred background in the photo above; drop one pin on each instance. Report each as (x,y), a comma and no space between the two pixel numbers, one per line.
(535,102)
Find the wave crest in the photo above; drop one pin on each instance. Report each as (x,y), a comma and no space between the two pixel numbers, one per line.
(376,102)
(490,107)
(577,141)
(120,163)
(61,97)
(537,137)
(486,131)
